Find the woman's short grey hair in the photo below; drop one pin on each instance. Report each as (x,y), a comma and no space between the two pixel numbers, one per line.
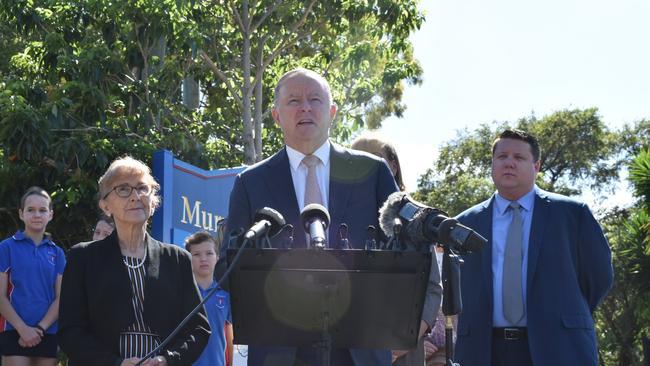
(125,167)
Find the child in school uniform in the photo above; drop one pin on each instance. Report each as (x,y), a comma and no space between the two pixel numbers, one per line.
(219,351)
(31,269)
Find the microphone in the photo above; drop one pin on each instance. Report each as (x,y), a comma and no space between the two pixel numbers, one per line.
(424,225)
(267,221)
(287,243)
(371,242)
(343,234)
(315,219)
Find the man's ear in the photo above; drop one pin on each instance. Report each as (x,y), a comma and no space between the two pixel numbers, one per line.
(276,115)
(333,109)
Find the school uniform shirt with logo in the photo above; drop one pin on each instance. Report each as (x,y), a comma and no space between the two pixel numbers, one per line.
(218,309)
(32,271)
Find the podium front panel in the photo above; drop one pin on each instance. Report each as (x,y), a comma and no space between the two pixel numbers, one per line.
(363,299)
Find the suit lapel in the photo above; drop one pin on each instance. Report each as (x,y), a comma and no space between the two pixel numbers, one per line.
(484,226)
(121,302)
(151,283)
(339,194)
(537,229)
(279,186)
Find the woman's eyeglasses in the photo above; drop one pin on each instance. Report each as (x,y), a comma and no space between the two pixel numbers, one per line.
(124,190)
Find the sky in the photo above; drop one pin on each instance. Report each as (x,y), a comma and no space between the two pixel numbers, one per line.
(500,60)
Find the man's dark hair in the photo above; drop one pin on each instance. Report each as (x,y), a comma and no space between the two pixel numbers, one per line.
(198,238)
(520,135)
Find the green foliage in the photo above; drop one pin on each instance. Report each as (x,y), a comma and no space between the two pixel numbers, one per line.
(640,175)
(361,47)
(83,82)
(623,317)
(577,148)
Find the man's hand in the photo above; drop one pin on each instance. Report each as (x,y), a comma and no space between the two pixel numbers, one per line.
(429,349)
(397,354)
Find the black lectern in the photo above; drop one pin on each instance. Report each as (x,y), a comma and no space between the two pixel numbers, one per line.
(346,298)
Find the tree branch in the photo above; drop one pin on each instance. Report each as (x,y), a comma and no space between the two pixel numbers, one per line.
(221,77)
(237,17)
(283,45)
(266,14)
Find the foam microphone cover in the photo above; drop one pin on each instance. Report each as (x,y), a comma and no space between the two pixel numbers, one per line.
(389,211)
(314,211)
(274,217)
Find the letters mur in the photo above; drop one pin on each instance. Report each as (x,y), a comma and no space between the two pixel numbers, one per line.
(198,217)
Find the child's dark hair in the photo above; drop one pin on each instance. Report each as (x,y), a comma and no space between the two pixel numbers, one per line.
(36,191)
(198,238)
(106,219)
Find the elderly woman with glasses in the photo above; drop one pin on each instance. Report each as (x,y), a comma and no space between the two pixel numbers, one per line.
(122,295)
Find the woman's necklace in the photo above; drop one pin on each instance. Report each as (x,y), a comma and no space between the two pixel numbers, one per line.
(140,262)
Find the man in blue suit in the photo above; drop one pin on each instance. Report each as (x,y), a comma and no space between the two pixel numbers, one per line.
(352,185)
(529,294)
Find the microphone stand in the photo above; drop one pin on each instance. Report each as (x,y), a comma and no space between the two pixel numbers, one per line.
(287,242)
(371,242)
(344,243)
(451,299)
(324,345)
(199,306)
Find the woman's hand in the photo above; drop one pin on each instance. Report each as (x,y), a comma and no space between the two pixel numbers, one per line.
(130,361)
(29,336)
(156,361)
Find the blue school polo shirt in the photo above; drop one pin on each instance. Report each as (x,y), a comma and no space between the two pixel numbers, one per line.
(32,271)
(218,309)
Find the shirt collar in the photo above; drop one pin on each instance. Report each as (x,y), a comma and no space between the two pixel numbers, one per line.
(295,156)
(526,201)
(20,236)
(212,285)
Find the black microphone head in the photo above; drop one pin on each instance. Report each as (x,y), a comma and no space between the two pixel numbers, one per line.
(389,211)
(314,211)
(461,237)
(274,217)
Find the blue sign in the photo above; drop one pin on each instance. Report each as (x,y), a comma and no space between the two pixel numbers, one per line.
(193,199)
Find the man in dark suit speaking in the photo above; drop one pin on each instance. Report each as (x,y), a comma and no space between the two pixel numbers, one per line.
(352,185)
(529,295)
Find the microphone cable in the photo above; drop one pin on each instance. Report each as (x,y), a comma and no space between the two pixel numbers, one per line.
(155,351)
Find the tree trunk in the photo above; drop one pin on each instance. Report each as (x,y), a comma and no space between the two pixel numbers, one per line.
(258,119)
(259,98)
(190,93)
(159,49)
(249,145)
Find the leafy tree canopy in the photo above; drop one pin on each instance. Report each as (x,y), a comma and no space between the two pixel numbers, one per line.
(83,82)
(578,151)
